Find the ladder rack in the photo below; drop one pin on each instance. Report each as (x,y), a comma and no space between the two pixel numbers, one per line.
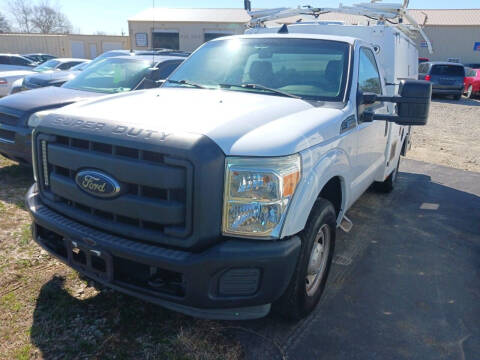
(391,14)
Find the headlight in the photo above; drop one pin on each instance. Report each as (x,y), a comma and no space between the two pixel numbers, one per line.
(35,118)
(257,194)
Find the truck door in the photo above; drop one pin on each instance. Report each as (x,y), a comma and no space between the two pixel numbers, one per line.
(372,136)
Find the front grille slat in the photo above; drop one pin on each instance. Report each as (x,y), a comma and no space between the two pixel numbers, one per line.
(8,119)
(154,175)
(154,210)
(156,189)
(8,136)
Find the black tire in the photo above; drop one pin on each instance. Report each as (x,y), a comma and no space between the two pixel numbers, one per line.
(296,302)
(457,97)
(388,185)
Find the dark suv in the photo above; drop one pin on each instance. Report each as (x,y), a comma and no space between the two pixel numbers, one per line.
(446,77)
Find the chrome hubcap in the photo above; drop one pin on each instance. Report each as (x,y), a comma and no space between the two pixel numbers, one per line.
(469,91)
(318,260)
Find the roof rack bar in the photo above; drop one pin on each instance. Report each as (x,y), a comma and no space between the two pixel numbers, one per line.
(378,11)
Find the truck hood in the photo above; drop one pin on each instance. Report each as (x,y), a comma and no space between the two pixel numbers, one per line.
(44,98)
(240,123)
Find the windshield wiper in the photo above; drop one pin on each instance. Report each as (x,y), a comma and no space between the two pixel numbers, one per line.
(186,82)
(260,87)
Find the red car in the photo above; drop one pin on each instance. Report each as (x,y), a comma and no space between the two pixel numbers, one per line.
(472,82)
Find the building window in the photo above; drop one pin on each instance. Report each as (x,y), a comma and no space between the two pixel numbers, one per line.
(212,35)
(166,40)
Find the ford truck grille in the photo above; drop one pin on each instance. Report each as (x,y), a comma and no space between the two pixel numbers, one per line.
(154,204)
(8,119)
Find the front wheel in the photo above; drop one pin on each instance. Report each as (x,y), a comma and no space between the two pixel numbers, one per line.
(308,281)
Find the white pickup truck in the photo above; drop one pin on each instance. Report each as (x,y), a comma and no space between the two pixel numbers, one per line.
(220,194)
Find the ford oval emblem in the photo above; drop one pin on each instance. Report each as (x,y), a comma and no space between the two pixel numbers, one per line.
(97,183)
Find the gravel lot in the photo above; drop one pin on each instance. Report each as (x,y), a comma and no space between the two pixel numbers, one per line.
(451,137)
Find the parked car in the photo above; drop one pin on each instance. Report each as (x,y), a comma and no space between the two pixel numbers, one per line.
(110,76)
(220,193)
(8,78)
(10,62)
(59,64)
(446,77)
(472,82)
(56,78)
(55,65)
(39,58)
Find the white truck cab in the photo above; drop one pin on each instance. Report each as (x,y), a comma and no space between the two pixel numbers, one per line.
(220,193)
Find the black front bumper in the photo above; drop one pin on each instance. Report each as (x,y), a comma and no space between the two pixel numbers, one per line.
(234,279)
(16,143)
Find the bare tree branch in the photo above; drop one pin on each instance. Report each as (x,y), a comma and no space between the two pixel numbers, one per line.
(50,20)
(21,11)
(41,17)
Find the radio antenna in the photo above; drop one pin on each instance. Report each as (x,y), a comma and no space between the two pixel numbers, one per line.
(153,31)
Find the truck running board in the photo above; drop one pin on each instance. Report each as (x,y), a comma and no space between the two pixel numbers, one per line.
(346,224)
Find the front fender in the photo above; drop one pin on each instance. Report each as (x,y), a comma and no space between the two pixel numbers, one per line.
(318,167)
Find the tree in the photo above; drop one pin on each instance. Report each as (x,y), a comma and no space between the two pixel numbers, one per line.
(4,25)
(49,20)
(21,11)
(42,17)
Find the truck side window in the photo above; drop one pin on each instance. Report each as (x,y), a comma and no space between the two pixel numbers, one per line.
(368,75)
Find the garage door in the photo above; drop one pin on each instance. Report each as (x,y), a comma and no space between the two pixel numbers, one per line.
(107,46)
(78,49)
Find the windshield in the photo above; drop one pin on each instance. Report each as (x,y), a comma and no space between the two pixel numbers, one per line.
(48,65)
(111,75)
(307,68)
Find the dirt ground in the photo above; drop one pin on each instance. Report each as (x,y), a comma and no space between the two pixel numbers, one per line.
(48,311)
(451,137)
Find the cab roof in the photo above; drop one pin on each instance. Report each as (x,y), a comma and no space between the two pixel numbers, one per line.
(347,39)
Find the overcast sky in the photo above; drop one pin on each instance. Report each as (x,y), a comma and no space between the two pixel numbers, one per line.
(110,16)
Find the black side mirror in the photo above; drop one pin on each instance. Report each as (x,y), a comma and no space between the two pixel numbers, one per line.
(413,103)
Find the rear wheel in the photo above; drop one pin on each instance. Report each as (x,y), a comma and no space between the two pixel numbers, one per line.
(389,184)
(308,281)
(470,92)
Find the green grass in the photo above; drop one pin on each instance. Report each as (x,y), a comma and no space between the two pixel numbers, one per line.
(25,235)
(24,352)
(9,302)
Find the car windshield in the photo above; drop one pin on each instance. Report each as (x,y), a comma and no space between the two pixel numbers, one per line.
(111,75)
(306,68)
(47,65)
(448,70)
